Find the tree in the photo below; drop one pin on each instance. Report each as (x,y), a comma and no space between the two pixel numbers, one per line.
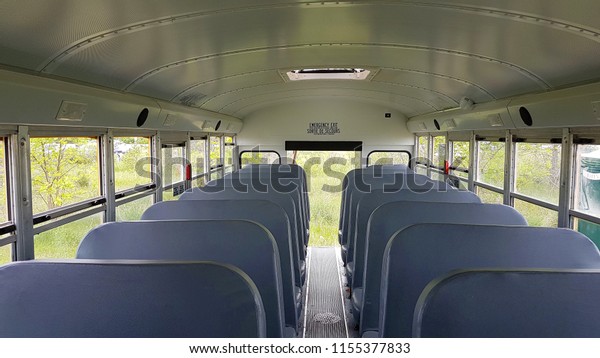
(62,169)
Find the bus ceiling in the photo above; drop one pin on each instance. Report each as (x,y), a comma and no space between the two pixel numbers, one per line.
(202,64)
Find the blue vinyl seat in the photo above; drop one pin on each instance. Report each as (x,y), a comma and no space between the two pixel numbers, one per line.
(393,217)
(244,244)
(128,299)
(367,203)
(511,304)
(264,212)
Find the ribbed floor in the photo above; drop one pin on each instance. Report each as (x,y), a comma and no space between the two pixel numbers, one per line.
(324,307)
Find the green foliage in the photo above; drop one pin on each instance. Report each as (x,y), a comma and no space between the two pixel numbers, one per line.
(228,155)
(423,147)
(197,156)
(460,158)
(439,151)
(131,155)
(63,171)
(215,151)
(538,170)
(537,174)
(172,165)
(259,158)
(460,154)
(388,158)
(491,163)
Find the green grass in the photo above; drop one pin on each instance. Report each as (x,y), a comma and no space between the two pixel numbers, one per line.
(324,193)
(5,254)
(62,242)
(168,195)
(537,215)
(134,209)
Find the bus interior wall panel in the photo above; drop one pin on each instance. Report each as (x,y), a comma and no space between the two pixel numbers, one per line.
(34,100)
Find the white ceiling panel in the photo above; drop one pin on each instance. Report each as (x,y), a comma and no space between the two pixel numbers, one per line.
(452,87)
(420,99)
(227,85)
(213,53)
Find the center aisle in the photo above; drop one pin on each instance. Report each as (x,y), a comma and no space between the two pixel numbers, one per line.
(324,308)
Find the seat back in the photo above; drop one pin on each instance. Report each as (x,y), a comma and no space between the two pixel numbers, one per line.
(421,253)
(389,182)
(264,212)
(368,203)
(280,199)
(107,299)
(376,170)
(291,184)
(392,217)
(511,304)
(286,170)
(244,244)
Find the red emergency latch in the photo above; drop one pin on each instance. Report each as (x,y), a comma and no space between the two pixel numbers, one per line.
(188,172)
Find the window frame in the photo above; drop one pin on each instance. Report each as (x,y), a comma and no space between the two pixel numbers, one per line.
(228,168)
(476,180)
(391,151)
(524,197)
(8,228)
(571,158)
(450,155)
(179,182)
(72,212)
(130,194)
(205,170)
(258,151)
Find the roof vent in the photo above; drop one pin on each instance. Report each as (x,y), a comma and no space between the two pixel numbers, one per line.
(333,73)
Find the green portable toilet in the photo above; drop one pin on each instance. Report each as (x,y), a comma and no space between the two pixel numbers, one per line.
(590,194)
